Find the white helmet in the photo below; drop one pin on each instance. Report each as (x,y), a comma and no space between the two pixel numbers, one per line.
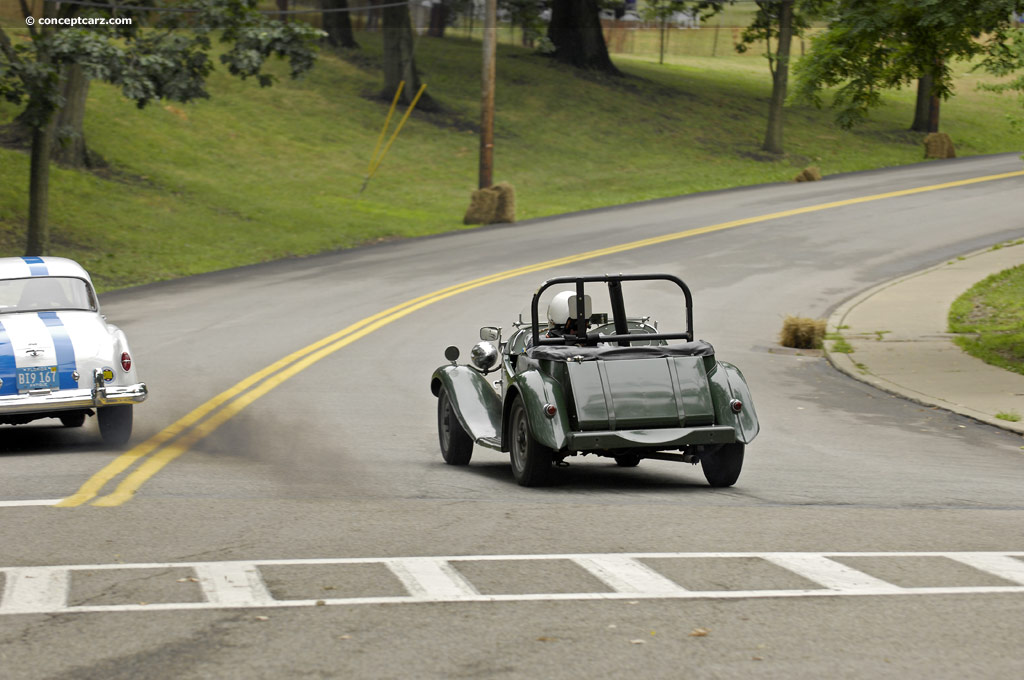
(563,307)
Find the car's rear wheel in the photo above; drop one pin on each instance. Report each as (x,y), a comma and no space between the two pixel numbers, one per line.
(115,424)
(627,460)
(722,466)
(76,419)
(456,444)
(531,460)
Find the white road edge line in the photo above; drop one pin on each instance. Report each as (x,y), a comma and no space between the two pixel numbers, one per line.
(20,504)
(532,597)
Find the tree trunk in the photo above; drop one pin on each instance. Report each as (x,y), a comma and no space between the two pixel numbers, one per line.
(399,62)
(338,25)
(282,6)
(438,20)
(68,146)
(38,241)
(933,114)
(922,110)
(780,78)
(578,37)
(661,44)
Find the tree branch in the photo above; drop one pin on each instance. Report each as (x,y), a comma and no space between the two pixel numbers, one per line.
(26,13)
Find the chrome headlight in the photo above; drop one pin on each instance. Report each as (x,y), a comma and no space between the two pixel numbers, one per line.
(483,355)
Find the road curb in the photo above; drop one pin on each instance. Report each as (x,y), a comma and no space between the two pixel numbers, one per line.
(845,362)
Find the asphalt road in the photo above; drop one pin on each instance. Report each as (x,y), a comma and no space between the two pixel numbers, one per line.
(339,461)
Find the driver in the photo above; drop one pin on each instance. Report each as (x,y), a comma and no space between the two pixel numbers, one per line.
(562,314)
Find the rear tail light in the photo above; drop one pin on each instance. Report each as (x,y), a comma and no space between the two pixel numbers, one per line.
(736,405)
(126,361)
(550,410)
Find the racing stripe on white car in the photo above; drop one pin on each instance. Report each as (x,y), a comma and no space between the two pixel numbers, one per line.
(64,349)
(36,266)
(8,364)
(250,584)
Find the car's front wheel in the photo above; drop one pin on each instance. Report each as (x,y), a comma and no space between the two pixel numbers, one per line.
(115,424)
(456,444)
(531,460)
(722,466)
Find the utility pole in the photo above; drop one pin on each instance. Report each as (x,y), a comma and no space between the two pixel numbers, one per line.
(487,94)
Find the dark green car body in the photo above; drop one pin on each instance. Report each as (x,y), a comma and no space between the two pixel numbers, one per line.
(622,390)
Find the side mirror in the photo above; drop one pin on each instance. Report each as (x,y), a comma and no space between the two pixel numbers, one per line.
(490,333)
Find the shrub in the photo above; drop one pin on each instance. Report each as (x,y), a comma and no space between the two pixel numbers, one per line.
(802,333)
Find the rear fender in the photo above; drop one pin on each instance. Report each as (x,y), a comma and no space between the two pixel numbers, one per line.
(537,390)
(476,404)
(727,383)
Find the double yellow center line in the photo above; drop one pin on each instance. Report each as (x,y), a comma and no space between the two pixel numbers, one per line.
(149,457)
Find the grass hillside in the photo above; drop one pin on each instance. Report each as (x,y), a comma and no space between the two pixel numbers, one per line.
(258,174)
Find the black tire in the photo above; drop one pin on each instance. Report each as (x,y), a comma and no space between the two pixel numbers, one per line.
(456,444)
(73,419)
(628,460)
(531,460)
(722,466)
(115,424)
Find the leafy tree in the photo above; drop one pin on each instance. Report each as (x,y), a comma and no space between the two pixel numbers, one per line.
(874,45)
(781,20)
(160,55)
(526,15)
(1006,59)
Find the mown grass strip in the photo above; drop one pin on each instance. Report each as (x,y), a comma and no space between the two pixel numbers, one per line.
(992,314)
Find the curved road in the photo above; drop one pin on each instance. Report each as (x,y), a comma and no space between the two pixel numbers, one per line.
(331,456)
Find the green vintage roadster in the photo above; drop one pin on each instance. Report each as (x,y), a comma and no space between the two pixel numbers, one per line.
(603,383)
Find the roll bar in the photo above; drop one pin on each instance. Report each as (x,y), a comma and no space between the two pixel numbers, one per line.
(622,335)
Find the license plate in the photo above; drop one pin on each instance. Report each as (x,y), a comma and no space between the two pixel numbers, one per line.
(37,378)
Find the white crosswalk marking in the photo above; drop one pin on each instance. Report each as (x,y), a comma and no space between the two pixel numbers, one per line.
(830,573)
(233,584)
(39,589)
(1003,566)
(239,584)
(431,579)
(626,575)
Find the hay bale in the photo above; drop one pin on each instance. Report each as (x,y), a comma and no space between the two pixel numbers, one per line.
(938,145)
(802,333)
(492,205)
(809,174)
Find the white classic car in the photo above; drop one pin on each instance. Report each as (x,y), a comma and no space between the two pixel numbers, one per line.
(59,358)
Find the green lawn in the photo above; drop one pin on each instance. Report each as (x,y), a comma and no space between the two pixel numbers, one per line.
(993,312)
(254,174)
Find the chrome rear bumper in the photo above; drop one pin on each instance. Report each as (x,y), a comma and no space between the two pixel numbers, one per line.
(40,401)
(659,438)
